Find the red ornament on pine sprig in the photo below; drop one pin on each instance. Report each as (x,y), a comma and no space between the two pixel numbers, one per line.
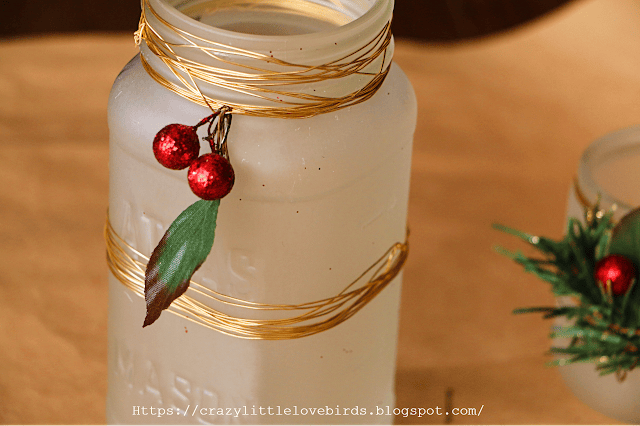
(615,272)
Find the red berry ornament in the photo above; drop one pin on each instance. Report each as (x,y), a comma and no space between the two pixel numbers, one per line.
(616,271)
(176,146)
(211,177)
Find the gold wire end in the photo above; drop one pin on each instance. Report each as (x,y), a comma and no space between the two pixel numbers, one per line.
(138,35)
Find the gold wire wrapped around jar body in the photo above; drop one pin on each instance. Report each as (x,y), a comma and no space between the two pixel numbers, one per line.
(316,202)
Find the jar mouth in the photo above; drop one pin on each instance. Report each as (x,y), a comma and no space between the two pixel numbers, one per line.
(344,17)
(601,173)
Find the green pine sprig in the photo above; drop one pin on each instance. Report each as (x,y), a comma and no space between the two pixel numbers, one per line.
(602,329)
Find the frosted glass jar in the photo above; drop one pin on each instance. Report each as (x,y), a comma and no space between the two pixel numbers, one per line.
(609,167)
(316,202)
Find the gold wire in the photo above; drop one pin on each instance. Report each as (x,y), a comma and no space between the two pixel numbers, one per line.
(307,318)
(580,195)
(584,201)
(256,81)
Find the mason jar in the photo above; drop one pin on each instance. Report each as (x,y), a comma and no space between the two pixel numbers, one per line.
(316,201)
(608,171)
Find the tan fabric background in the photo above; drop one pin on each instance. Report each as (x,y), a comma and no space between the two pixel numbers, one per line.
(501,127)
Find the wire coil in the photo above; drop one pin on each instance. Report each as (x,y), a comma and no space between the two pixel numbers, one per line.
(305,319)
(258,81)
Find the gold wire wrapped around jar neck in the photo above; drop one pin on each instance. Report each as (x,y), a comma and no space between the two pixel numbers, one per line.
(272,82)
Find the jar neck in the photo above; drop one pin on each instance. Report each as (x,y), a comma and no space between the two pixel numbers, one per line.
(362,21)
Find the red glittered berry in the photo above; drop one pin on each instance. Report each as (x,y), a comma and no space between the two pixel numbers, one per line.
(176,146)
(616,271)
(211,176)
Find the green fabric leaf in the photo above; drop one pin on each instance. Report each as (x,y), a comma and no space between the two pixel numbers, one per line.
(625,238)
(178,255)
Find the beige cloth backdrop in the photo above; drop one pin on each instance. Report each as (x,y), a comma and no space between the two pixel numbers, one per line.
(502,123)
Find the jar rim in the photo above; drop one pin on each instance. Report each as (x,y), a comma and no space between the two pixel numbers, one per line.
(171,8)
